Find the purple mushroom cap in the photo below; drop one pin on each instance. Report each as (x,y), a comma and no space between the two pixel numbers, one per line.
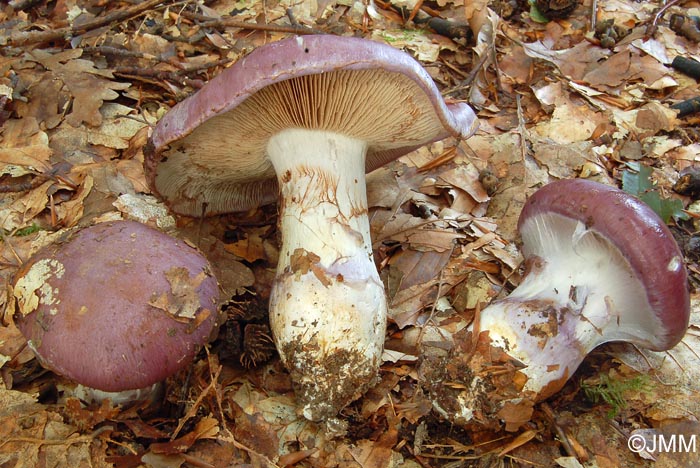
(116,306)
(208,154)
(641,238)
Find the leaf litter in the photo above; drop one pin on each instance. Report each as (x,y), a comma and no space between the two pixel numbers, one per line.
(82,83)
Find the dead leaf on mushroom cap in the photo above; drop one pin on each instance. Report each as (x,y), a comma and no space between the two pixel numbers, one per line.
(182,301)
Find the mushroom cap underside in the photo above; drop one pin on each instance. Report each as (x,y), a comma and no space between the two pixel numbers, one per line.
(635,234)
(117,306)
(208,154)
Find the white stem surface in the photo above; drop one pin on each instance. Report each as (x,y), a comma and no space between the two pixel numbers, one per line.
(578,293)
(327,306)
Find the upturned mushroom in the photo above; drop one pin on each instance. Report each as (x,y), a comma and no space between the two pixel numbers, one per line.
(116,307)
(601,266)
(303,119)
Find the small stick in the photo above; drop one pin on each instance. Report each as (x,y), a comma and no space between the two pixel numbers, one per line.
(117,52)
(21,5)
(651,29)
(687,66)
(416,9)
(209,22)
(31,37)
(451,29)
(687,107)
(135,72)
(292,20)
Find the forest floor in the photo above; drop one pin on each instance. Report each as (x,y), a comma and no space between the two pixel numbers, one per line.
(82,83)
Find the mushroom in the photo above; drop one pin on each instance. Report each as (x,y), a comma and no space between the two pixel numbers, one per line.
(601,266)
(116,307)
(304,119)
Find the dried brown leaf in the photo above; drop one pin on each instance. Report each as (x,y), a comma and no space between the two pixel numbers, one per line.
(371,454)
(418,233)
(24,208)
(70,212)
(23,146)
(251,248)
(206,428)
(182,301)
(75,79)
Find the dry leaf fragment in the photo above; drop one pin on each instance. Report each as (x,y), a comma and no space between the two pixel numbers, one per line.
(370,454)
(22,210)
(466,177)
(74,79)
(117,127)
(70,212)
(24,147)
(419,234)
(145,209)
(520,440)
(182,301)
(251,248)
(86,419)
(206,428)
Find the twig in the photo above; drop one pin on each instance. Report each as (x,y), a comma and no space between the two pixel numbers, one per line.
(21,5)
(195,405)
(23,183)
(117,52)
(31,37)
(292,20)
(416,9)
(470,77)
(14,253)
(563,436)
(209,22)
(438,295)
(651,29)
(67,441)
(136,72)
(687,66)
(687,107)
(521,129)
(451,29)
(27,182)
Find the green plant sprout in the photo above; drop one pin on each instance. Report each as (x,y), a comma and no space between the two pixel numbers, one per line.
(612,391)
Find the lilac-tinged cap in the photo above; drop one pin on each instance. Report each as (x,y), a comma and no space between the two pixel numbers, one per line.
(116,306)
(641,238)
(209,152)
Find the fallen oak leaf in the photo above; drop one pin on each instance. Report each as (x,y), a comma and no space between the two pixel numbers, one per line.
(88,86)
(70,212)
(85,418)
(25,208)
(25,147)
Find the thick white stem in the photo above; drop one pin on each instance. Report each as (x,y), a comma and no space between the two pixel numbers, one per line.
(549,324)
(327,306)
(578,293)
